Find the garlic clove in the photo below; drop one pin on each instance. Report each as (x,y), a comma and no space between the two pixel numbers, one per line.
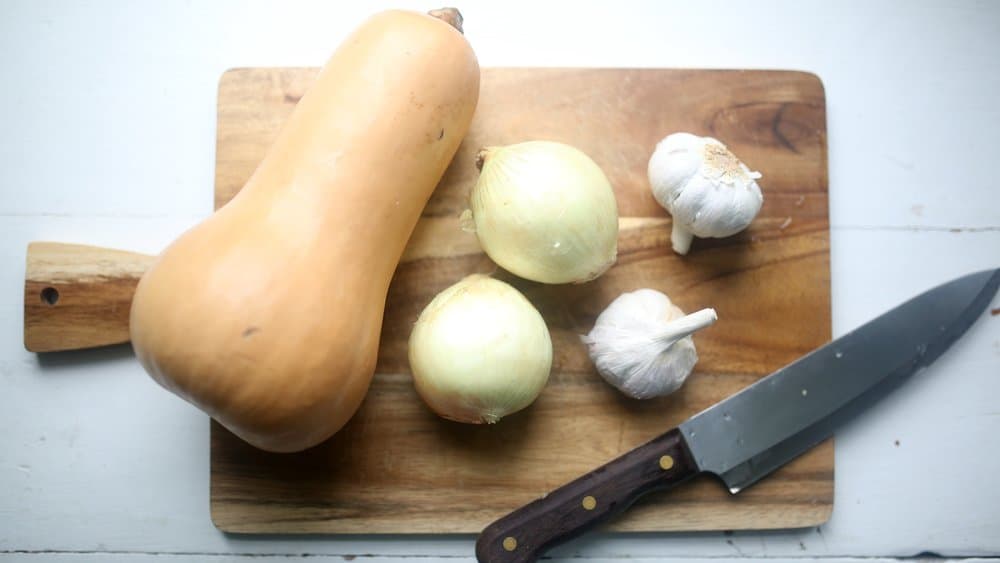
(671,167)
(681,360)
(709,211)
(641,343)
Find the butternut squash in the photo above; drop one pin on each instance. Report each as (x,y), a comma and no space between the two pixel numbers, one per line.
(267,315)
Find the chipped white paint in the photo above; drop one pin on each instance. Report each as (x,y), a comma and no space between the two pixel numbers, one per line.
(95,458)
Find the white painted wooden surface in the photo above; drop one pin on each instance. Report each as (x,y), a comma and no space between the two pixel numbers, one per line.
(234,558)
(107,113)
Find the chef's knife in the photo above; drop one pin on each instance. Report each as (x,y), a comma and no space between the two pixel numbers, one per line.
(759,429)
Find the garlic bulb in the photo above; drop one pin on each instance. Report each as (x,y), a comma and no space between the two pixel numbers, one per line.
(479,351)
(706,189)
(545,211)
(642,343)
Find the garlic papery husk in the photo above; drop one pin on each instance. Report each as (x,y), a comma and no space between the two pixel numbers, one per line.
(706,189)
(545,211)
(479,351)
(642,345)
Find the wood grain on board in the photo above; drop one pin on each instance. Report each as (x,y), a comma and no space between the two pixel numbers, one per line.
(397,468)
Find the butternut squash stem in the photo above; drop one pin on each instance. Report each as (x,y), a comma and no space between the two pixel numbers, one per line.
(451,16)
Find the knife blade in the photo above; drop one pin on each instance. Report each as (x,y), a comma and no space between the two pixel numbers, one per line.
(747,436)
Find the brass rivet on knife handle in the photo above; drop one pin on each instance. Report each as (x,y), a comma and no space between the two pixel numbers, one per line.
(666,462)
(510,543)
(589,502)
(78,296)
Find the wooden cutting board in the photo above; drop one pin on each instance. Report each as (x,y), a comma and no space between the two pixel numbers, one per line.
(397,468)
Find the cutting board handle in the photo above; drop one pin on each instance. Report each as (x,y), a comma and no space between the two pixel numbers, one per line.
(78,296)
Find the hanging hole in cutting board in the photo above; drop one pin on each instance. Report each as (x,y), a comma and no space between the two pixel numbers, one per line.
(50,295)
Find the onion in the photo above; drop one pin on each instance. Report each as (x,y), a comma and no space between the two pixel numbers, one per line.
(479,351)
(545,211)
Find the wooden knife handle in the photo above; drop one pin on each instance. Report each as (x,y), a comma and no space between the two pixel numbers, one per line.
(78,296)
(526,533)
